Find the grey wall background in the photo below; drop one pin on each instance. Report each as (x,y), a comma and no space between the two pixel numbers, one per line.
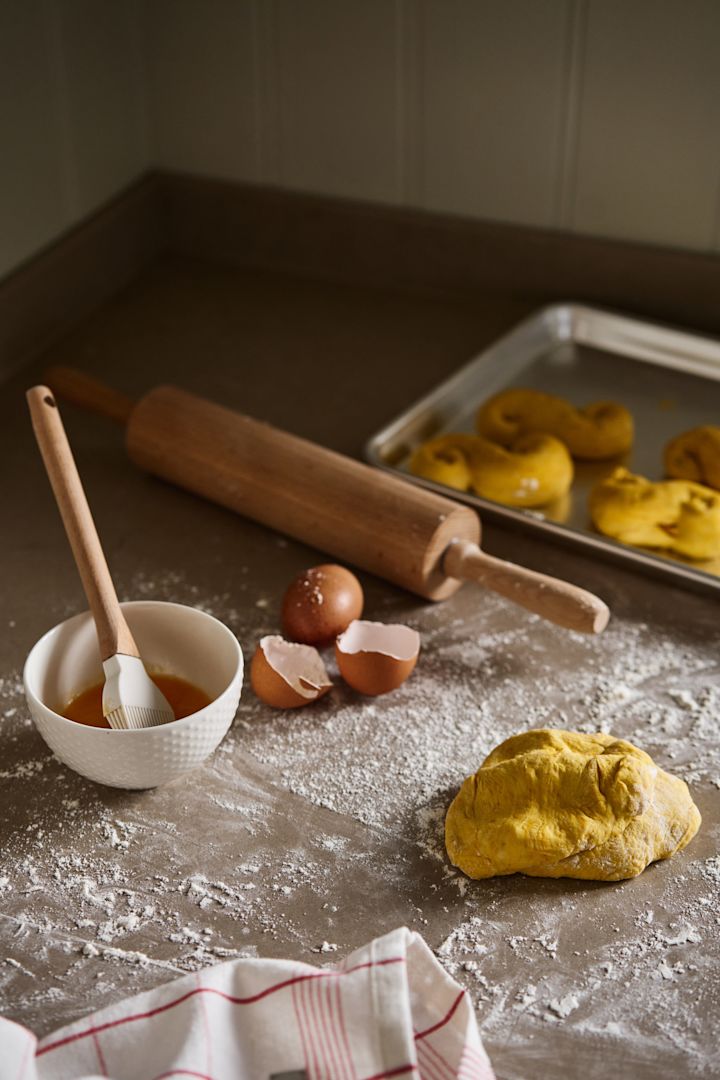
(594,116)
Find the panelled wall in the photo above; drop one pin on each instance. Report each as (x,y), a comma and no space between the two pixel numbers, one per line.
(73,114)
(594,116)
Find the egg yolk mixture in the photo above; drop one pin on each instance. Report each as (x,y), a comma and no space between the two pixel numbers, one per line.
(184,698)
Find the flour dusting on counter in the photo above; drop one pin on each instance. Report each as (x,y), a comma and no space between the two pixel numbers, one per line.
(320,823)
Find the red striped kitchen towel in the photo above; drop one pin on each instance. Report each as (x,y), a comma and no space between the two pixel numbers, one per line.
(388,1010)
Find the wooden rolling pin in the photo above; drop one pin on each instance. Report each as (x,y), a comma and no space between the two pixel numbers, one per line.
(378,522)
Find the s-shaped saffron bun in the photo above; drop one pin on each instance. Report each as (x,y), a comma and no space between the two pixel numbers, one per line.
(671,515)
(534,471)
(695,455)
(602,430)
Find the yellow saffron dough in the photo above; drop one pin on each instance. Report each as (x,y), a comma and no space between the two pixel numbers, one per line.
(552,803)
(672,515)
(601,430)
(534,471)
(695,455)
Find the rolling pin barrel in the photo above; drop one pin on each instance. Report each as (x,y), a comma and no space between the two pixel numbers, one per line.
(360,515)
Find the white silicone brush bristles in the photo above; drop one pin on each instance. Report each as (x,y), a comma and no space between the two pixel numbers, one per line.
(131,700)
(129,718)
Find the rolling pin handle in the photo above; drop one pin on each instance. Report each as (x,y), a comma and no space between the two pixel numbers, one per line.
(73,385)
(562,603)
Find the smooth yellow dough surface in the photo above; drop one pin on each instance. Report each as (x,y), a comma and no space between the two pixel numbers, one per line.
(695,455)
(672,515)
(535,470)
(601,430)
(551,803)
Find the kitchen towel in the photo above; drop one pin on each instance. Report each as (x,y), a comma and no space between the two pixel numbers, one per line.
(389,1010)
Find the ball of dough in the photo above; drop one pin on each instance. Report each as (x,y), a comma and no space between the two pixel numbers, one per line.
(552,803)
(535,470)
(671,515)
(598,431)
(695,455)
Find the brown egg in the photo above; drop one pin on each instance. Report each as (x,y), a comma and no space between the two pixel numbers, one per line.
(374,658)
(286,675)
(320,604)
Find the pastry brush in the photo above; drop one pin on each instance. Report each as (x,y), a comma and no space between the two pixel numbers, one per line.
(130,698)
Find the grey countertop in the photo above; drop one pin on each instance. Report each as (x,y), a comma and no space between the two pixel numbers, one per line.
(310,832)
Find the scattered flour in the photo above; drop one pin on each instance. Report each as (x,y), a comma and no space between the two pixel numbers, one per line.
(562,1007)
(102,896)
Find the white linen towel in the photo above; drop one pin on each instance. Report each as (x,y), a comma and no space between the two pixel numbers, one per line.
(389,1010)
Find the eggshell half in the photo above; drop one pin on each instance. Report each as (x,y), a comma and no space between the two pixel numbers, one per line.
(320,603)
(375,658)
(286,675)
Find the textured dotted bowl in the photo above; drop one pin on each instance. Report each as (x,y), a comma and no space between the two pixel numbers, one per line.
(171,637)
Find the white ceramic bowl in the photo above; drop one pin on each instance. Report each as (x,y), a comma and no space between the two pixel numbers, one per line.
(171,637)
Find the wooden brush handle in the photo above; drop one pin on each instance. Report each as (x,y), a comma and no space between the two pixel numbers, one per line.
(113,633)
(559,601)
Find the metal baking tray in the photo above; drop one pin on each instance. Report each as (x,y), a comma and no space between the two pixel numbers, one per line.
(670,381)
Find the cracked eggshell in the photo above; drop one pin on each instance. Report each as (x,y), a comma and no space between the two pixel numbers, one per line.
(375,658)
(286,675)
(320,603)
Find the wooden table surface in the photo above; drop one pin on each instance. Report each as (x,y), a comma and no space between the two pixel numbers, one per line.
(308,834)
